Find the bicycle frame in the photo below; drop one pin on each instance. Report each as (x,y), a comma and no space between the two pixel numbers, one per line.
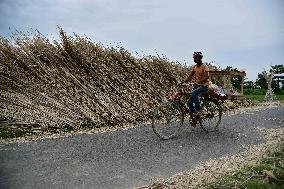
(182,96)
(169,117)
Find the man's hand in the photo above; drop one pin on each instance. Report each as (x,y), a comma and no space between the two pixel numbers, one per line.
(196,84)
(180,84)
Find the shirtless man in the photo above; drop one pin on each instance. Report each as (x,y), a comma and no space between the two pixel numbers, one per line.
(200,74)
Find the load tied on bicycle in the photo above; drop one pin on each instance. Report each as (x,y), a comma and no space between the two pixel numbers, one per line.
(196,102)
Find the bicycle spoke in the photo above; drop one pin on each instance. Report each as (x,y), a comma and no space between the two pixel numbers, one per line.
(210,115)
(167,120)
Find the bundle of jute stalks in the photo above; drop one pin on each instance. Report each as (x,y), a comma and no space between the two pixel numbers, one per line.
(77,82)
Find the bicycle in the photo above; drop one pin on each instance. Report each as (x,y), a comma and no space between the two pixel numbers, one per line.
(168,118)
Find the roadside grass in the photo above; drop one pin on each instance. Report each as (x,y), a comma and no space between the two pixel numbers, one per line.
(280,97)
(13,133)
(8,131)
(255,97)
(267,174)
(261,97)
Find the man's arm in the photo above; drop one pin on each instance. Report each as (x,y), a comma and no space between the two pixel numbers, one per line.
(189,77)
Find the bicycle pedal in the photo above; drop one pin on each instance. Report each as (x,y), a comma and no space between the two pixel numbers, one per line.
(193,123)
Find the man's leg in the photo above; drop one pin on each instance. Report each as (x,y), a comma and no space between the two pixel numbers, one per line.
(194,99)
(191,101)
(197,92)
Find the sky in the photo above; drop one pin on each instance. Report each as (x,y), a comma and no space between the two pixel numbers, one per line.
(244,34)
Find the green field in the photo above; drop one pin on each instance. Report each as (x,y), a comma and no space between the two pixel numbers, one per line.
(261,97)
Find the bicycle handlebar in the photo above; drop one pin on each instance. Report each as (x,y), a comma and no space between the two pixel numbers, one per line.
(191,84)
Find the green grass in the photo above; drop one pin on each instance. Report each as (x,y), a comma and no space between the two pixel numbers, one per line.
(268,174)
(280,97)
(9,132)
(255,97)
(261,97)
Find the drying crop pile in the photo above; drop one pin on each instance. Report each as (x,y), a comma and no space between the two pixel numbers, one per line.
(77,82)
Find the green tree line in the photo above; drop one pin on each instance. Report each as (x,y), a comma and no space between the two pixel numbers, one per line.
(260,86)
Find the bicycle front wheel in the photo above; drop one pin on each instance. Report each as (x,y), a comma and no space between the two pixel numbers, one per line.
(167,120)
(211,114)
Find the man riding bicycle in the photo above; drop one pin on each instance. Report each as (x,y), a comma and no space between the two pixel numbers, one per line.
(201,78)
(168,117)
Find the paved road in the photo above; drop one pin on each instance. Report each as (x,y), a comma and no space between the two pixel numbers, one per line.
(126,158)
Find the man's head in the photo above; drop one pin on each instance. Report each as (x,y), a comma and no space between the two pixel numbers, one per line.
(197,56)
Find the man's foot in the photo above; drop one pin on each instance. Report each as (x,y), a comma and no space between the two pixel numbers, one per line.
(196,115)
(192,119)
(193,123)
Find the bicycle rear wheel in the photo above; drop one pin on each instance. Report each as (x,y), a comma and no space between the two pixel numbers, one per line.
(167,120)
(211,114)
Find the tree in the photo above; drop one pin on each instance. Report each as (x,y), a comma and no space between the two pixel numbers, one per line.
(236,80)
(277,69)
(262,83)
(249,85)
